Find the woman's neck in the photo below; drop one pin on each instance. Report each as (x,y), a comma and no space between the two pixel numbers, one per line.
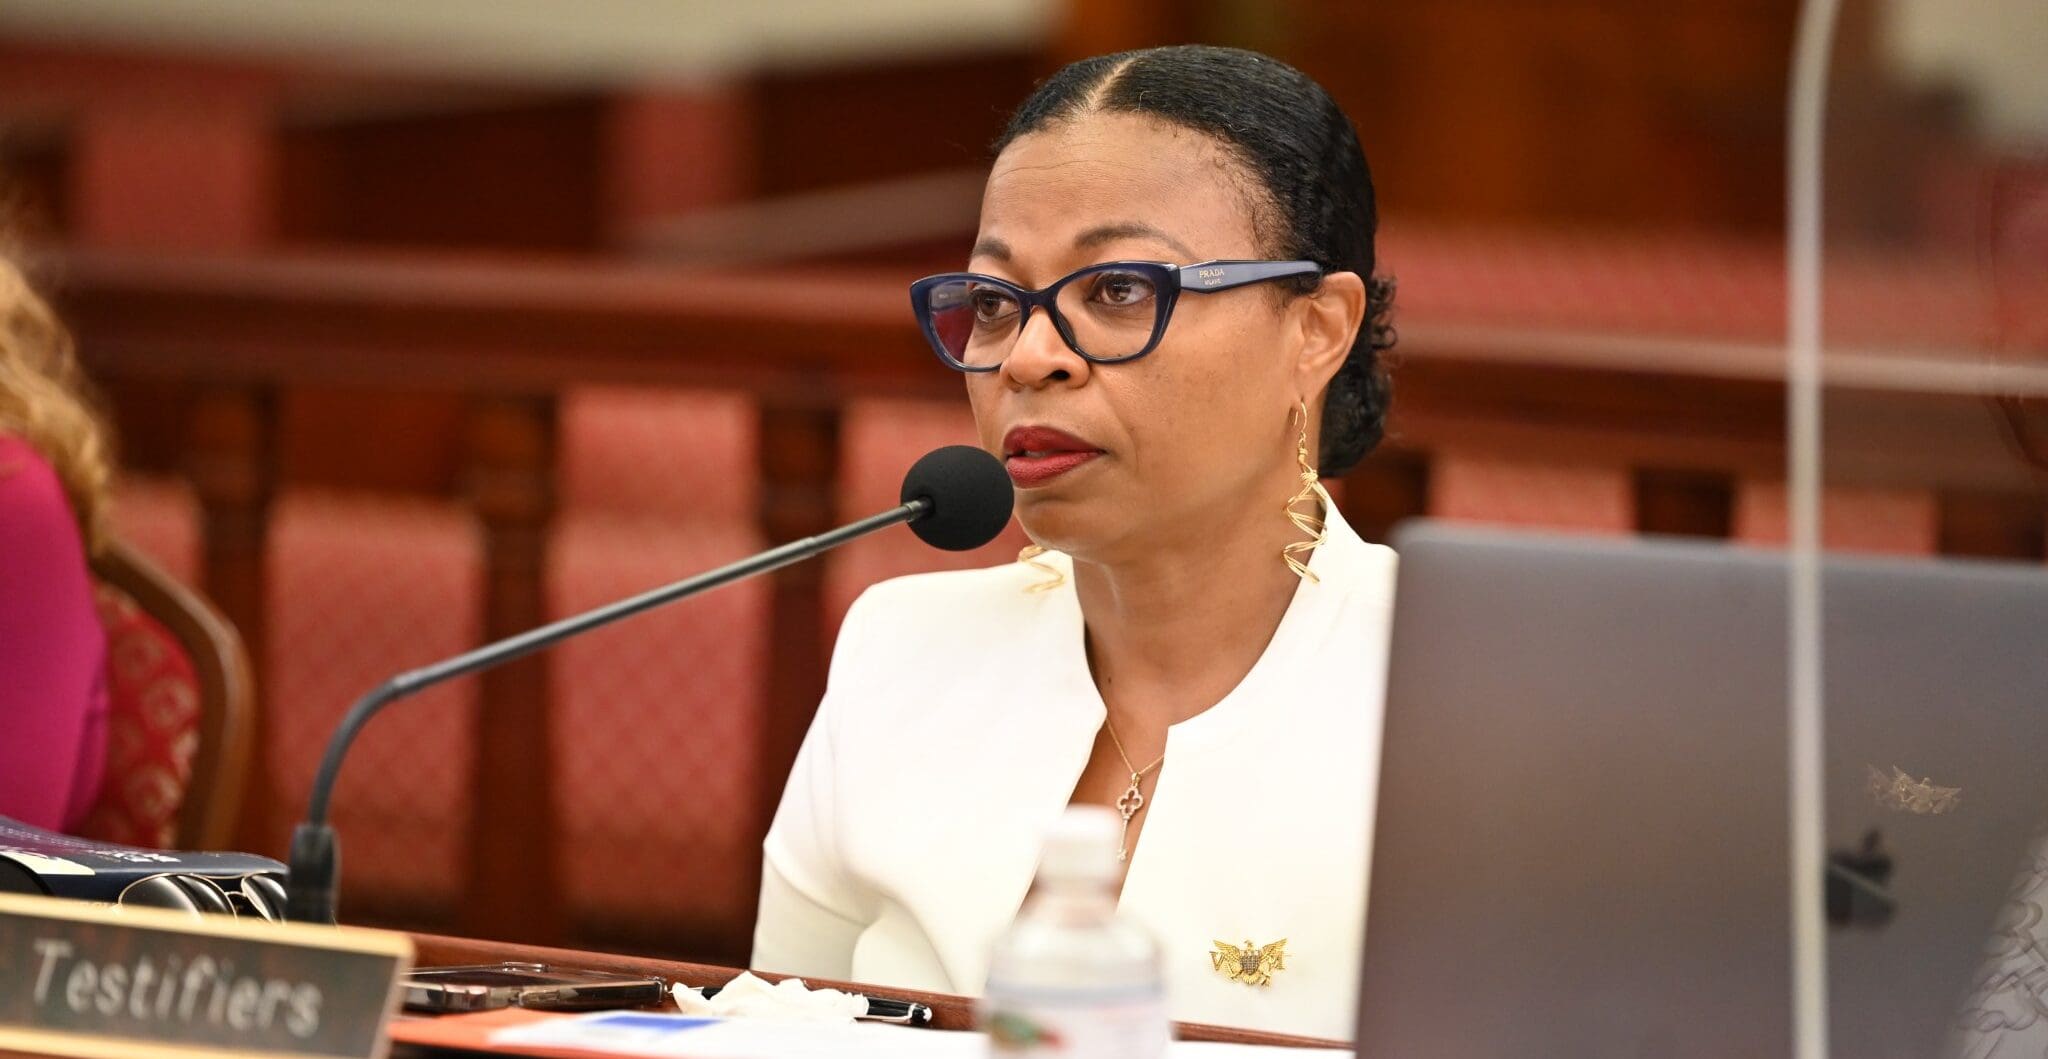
(1171,632)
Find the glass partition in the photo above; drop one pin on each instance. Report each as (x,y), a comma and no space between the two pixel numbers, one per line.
(1931,468)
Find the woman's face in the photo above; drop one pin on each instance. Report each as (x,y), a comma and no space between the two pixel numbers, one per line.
(1199,429)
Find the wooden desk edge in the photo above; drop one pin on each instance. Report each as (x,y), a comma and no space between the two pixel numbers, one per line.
(950,1012)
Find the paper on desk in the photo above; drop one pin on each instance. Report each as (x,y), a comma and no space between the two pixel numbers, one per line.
(1213,1050)
(754,997)
(692,1037)
(689,1037)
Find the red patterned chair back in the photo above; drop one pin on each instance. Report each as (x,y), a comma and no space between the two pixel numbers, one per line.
(180,711)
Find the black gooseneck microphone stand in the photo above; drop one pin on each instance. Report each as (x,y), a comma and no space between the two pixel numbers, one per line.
(315,857)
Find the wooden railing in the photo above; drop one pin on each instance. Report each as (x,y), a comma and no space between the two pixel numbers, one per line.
(232,338)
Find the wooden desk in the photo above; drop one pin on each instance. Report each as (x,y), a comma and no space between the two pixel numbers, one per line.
(950,1012)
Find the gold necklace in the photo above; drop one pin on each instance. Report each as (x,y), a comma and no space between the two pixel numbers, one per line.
(1133,799)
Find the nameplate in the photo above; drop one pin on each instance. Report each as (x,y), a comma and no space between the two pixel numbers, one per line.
(93,981)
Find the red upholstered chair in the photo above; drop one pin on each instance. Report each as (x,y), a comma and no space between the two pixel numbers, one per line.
(362,586)
(180,711)
(657,720)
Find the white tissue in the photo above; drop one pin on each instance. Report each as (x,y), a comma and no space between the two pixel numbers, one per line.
(790,1000)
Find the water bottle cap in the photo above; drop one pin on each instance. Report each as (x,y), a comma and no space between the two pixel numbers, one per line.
(1081,845)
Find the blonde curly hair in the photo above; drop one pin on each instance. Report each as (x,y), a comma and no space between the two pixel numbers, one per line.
(46,401)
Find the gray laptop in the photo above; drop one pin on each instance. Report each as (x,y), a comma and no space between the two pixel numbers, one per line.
(1582,840)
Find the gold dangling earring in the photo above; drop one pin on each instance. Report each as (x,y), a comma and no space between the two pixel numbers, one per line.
(1307,522)
(1052,578)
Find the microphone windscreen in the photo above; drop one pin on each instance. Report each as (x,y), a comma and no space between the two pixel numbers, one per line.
(970,496)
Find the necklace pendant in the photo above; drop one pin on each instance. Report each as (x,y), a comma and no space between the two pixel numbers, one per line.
(1132,801)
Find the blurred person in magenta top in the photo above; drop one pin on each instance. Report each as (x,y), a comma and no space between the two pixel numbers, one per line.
(54,470)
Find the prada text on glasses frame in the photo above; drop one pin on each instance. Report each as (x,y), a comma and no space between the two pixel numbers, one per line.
(1106,313)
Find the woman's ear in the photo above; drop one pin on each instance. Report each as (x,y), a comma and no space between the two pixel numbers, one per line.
(1330,318)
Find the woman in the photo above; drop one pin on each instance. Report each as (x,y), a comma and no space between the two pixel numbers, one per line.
(53,492)
(1202,643)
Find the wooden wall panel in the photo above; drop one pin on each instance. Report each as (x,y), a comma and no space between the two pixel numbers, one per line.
(1391,484)
(371,439)
(671,152)
(160,517)
(151,419)
(1574,112)
(35,181)
(826,128)
(136,147)
(1567,112)
(1888,521)
(1689,503)
(509,461)
(229,457)
(522,174)
(1486,488)
(1994,525)
(184,173)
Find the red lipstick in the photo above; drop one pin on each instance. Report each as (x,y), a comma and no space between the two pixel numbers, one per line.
(1036,455)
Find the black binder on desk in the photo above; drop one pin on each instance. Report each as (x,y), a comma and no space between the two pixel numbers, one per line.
(35,861)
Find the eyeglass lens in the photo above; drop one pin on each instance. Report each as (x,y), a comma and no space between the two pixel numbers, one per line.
(1106,315)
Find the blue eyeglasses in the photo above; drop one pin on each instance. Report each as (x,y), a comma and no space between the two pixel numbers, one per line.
(1107,313)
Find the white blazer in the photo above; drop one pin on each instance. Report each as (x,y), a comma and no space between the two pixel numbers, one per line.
(959,714)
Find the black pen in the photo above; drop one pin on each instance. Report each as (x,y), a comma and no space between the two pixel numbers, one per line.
(880,1009)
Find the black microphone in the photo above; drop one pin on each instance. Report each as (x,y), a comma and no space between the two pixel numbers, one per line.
(955,498)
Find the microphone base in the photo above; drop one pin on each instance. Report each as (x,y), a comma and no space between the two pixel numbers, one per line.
(315,868)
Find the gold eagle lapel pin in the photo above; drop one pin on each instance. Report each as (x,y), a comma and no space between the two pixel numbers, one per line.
(1252,964)
(1901,792)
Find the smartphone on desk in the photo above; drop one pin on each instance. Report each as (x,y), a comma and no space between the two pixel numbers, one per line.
(482,987)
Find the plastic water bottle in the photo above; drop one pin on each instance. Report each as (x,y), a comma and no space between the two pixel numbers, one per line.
(1070,979)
